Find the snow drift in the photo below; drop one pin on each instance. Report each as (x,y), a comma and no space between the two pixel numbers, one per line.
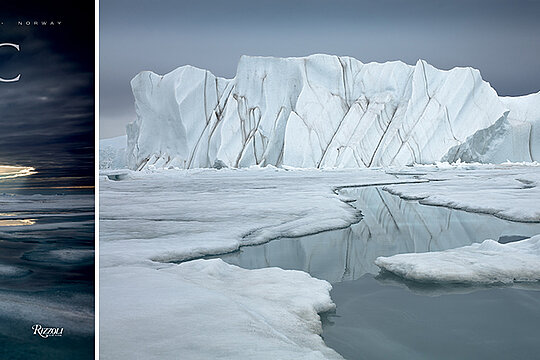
(326,111)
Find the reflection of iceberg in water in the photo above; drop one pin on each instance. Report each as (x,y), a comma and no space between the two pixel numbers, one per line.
(438,289)
(390,226)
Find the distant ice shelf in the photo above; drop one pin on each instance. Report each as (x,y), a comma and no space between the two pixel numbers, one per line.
(325,111)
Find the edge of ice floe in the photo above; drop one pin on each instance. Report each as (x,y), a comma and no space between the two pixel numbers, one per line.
(488,262)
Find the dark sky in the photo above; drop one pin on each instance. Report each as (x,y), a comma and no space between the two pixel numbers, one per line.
(47,118)
(501,38)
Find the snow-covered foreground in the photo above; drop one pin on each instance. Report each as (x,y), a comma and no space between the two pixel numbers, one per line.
(207,309)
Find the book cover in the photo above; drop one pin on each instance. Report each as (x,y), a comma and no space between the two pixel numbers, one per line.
(47,180)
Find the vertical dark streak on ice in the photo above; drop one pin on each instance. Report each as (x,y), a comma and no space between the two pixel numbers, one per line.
(450,124)
(382,137)
(332,139)
(530,142)
(405,139)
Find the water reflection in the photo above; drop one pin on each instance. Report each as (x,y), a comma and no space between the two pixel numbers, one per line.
(390,226)
(380,316)
(438,289)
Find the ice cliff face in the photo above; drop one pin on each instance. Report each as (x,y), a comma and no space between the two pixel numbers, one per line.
(326,111)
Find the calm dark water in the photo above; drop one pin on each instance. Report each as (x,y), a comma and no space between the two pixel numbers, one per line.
(379,316)
(47,274)
(375,319)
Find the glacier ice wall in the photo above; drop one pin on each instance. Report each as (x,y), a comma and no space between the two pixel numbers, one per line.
(112,153)
(326,111)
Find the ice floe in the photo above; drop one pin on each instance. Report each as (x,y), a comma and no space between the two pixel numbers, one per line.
(487,262)
(207,309)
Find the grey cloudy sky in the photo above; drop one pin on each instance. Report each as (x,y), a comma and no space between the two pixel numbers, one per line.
(501,38)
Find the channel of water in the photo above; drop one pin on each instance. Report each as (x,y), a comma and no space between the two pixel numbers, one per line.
(379,316)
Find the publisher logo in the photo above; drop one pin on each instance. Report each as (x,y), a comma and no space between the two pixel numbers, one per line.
(45,332)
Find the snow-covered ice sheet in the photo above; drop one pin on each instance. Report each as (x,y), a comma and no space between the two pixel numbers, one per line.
(508,191)
(151,217)
(171,215)
(487,262)
(389,226)
(207,309)
(179,215)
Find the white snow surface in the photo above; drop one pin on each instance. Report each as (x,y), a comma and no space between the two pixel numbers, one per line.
(179,215)
(207,309)
(510,191)
(325,111)
(488,262)
(156,310)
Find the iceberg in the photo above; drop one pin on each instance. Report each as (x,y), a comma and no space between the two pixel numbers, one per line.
(487,262)
(112,153)
(514,137)
(325,111)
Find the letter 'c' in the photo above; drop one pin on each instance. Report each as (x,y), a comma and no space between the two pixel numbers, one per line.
(18,76)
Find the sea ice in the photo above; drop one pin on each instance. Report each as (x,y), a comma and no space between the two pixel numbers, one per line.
(151,217)
(389,226)
(509,191)
(487,262)
(207,309)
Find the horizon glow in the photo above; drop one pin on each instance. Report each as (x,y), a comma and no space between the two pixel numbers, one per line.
(9,172)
